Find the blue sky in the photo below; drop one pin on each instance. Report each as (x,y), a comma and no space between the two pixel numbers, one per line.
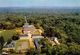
(39,3)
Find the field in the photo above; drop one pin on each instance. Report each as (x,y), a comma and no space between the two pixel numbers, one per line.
(7,34)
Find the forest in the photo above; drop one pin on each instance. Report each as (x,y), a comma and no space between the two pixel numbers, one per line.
(64,26)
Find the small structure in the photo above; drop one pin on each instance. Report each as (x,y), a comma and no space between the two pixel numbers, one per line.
(56,41)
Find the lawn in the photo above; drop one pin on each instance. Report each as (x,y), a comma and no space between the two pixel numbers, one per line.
(7,34)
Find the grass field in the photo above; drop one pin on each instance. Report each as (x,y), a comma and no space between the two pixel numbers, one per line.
(7,34)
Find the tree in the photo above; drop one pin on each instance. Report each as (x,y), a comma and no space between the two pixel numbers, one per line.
(9,25)
(74,49)
(1,42)
(60,49)
(31,52)
(15,37)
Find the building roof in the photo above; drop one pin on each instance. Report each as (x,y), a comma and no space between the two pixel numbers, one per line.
(28,26)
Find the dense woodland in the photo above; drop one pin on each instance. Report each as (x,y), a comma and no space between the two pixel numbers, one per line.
(64,26)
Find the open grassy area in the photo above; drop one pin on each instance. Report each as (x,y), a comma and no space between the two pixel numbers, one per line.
(7,34)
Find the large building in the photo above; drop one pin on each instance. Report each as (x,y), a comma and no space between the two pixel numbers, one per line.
(31,29)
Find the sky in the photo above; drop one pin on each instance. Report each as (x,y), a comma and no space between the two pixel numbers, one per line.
(39,3)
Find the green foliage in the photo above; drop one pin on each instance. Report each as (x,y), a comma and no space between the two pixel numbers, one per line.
(1,42)
(31,52)
(66,26)
(7,34)
(15,37)
(11,22)
(60,50)
(74,49)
